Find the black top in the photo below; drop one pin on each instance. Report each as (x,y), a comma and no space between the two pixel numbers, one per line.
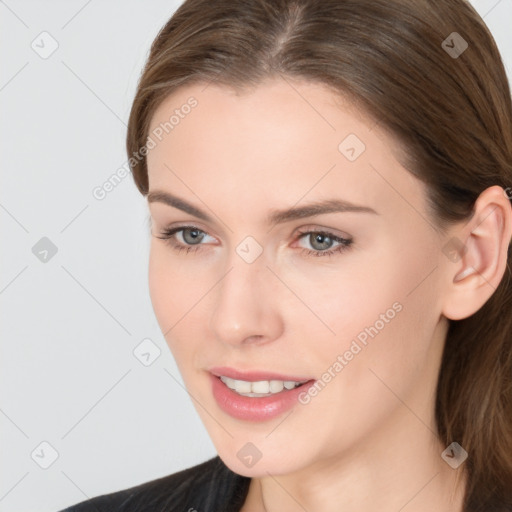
(207,487)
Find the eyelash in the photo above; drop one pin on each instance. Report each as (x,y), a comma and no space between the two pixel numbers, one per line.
(344,243)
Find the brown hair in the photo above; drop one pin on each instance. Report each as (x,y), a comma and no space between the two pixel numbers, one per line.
(452,113)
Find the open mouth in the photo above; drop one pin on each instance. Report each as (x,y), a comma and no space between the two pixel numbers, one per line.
(257,400)
(260,389)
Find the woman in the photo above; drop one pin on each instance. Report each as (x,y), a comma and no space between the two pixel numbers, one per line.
(329,186)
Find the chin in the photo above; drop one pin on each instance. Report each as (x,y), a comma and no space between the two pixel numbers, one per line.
(273,464)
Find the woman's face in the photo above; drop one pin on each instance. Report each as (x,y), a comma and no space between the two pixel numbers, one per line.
(350,297)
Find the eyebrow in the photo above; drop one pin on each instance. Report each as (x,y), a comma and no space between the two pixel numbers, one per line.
(275,216)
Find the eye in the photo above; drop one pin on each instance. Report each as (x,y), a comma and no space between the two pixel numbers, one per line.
(191,238)
(322,243)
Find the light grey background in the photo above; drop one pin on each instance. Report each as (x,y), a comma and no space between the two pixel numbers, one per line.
(70,324)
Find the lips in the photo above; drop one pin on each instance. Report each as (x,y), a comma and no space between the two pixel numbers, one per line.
(255,409)
(255,375)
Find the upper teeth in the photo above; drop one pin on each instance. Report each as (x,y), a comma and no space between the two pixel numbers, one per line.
(259,388)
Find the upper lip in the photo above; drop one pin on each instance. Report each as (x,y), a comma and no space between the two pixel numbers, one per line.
(254,375)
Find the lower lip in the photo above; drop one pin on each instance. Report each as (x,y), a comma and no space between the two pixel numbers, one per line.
(255,408)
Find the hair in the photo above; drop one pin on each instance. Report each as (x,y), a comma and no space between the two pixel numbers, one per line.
(451,115)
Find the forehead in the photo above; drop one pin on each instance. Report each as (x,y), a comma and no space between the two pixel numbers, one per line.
(283,140)
(278,110)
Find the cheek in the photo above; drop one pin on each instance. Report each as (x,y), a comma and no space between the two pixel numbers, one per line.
(175,284)
(385,354)
(343,297)
(172,292)
(387,328)
(386,298)
(162,285)
(179,298)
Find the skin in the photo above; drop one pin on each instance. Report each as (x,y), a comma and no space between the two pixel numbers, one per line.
(368,440)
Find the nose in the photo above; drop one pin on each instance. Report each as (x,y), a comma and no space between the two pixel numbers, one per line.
(246,305)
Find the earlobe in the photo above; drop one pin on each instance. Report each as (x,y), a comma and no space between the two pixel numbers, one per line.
(486,238)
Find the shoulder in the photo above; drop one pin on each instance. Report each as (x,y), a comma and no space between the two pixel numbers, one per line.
(209,486)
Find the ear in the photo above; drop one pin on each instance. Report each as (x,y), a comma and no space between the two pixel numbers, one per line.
(477,254)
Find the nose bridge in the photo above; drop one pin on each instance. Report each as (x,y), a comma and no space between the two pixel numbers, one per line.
(245,307)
